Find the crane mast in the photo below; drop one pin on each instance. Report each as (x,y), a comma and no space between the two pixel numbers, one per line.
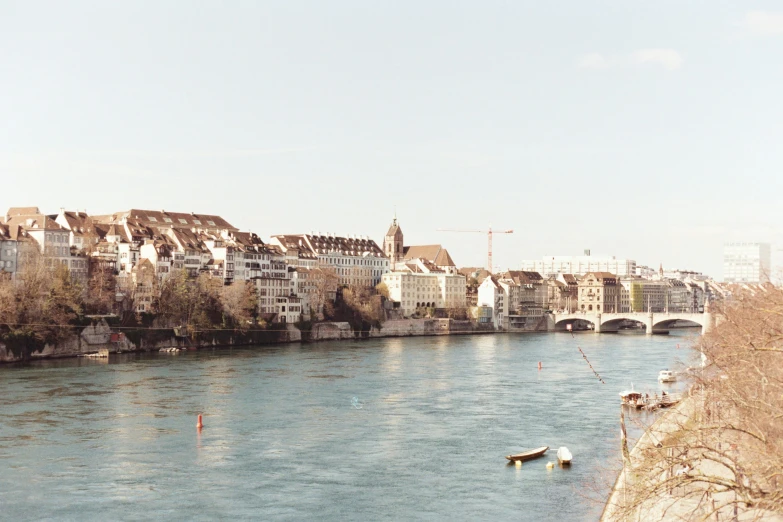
(489,233)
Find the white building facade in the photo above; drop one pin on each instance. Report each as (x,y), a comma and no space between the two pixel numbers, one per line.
(580,265)
(418,291)
(746,262)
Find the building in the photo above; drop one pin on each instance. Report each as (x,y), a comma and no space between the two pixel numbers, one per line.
(643,295)
(163,219)
(569,297)
(746,263)
(680,299)
(599,292)
(492,295)
(474,277)
(392,243)
(580,265)
(356,260)
(51,239)
(9,249)
(421,286)
(400,255)
(533,290)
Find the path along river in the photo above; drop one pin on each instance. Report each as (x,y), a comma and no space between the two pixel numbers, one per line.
(396,429)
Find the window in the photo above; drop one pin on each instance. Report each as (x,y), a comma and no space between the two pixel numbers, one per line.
(210,223)
(154,220)
(167,220)
(196,221)
(183,221)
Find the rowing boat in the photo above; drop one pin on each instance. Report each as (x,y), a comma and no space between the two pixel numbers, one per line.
(527,455)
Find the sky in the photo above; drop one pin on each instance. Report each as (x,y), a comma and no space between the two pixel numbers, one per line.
(643,130)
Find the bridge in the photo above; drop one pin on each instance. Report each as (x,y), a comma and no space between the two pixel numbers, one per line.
(654,322)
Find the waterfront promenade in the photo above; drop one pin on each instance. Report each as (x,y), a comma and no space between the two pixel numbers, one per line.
(631,498)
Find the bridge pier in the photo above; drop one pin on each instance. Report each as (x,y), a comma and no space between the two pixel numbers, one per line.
(649,324)
(708,323)
(597,323)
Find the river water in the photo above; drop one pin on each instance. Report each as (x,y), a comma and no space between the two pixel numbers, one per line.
(394,429)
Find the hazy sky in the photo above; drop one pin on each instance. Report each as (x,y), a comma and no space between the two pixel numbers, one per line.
(648,130)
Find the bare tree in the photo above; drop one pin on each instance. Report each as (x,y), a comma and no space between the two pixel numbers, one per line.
(324,282)
(382,289)
(239,301)
(720,455)
(40,307)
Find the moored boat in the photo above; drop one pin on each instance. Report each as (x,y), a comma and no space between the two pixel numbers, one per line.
(527,455)
(630,397)
(564,456)
(666,376)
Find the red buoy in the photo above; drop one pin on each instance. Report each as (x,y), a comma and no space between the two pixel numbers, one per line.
(199,424)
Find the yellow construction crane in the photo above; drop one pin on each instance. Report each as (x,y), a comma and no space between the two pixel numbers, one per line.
(489,233)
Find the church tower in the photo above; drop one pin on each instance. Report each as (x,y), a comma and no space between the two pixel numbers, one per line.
(392,243)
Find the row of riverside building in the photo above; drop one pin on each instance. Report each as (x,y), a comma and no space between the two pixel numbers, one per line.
(144,247)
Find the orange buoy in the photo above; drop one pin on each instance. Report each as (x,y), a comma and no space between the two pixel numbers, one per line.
(539,365)
(199,424)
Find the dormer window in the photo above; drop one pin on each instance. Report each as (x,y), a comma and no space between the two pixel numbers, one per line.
(196,221)
(154,220)
(183,221)
(211,223)
(167,220)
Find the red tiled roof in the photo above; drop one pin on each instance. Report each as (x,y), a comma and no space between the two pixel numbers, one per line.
(435,253)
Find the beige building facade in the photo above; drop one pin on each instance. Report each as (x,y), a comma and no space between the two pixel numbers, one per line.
(599,292)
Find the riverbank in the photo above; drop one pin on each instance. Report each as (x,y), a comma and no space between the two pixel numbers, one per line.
(618,506)
(664,480)
(102,338)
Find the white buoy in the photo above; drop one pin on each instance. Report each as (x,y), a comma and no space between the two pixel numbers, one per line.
(550,465)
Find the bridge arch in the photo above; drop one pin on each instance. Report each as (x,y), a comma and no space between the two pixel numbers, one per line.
(666,322)
(580,323)
(613,323)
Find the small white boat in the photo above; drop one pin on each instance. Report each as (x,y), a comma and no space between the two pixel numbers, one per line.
(666,376)
(563,455)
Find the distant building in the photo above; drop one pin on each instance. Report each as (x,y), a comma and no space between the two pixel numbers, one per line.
(163,219)
(392,243)
(399,254)
(492,295)
(52,240)
(746,262)
(580,265)
(419,285)
(9,249)
(599,292)
(356,260)
(643,295)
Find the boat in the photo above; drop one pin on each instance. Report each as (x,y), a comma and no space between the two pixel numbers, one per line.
(630,397)
(564,456)
(669,399)
(666,376)
(528,455)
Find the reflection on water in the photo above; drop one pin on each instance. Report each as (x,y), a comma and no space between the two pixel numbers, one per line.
(284,438)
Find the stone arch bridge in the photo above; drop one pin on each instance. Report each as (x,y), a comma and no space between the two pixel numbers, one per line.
(654,322)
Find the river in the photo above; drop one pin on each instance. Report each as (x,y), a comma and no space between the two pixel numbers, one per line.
(387,429)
